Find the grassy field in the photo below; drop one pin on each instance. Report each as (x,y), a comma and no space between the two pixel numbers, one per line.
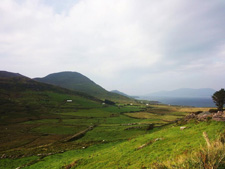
(115,140)
(129,153)
(163,113)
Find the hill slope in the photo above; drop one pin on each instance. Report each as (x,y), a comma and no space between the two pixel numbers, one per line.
(185,92)
(121,93)
(161,148)
(78,82)
(22,98)
(9,74)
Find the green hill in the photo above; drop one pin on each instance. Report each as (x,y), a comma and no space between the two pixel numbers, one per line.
(22,98)
(5,74)
(121,93)
(78,82)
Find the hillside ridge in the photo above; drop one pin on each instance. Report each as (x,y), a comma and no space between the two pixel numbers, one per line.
(78,82)
(6,74)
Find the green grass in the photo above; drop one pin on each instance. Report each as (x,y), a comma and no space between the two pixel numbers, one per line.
(146,115)
(124,154)
(88,113)
(59,129)
(111,133)
(111,124)
(8,163)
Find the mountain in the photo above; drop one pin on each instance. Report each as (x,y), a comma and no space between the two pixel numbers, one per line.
(118,92)
(22,98)
(123,94)
(78,82)
(185,92)
(5,74)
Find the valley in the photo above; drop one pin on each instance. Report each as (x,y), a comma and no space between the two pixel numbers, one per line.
(45,126)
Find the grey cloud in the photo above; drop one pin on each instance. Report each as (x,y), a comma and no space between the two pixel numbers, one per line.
(133,46)
(199,30)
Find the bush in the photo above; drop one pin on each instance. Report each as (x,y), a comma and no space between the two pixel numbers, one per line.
(109,102)
(213,110)
(150,127)
(198,112)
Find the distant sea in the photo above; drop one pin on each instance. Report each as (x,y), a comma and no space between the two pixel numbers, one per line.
(182,101)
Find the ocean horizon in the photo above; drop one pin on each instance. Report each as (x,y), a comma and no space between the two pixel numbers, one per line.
(182,101)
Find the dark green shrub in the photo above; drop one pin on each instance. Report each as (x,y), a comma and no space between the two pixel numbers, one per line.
(213,110)
(150,127)
(109,102)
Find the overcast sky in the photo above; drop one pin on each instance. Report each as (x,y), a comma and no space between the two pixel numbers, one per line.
(135,46)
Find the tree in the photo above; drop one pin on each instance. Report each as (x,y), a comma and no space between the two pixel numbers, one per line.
(219,99)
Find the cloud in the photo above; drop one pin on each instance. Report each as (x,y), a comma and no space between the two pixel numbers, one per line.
(133,46)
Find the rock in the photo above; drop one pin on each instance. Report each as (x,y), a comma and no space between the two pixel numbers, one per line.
(205,116)
(190,116)
(3,156)
(220,113)
(183,127)
(142,146)
(158,139)
(217,119)
(219,116)
(223,115)
(205,113)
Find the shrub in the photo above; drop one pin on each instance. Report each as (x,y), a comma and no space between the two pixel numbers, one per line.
(198,112)
(109,102)
(150,127)
(213,110)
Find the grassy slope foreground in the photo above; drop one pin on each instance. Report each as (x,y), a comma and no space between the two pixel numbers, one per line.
(145,151)
(138,152)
